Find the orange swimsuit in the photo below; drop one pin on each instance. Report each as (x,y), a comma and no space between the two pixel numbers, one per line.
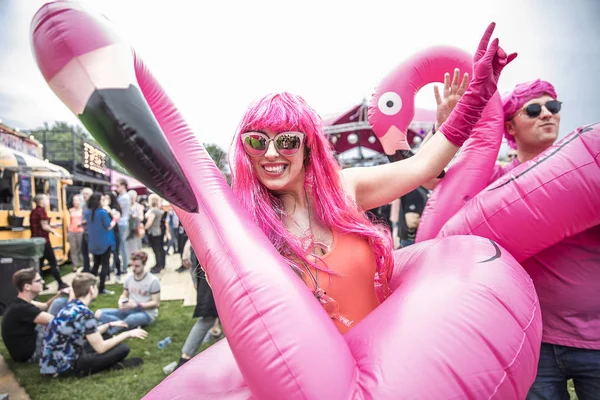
(353,289)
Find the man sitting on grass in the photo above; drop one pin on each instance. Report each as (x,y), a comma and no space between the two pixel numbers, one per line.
(138,305)
(73,343)
(25,319)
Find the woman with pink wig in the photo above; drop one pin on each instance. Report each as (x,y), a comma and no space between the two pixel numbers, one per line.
(285,175)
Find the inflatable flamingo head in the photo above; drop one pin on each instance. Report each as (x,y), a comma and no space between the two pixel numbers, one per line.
(513,100)
(388,113)
(392,105)
(71,66)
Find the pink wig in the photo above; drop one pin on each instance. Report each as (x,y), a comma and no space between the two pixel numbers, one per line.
(282,112)
(521,94)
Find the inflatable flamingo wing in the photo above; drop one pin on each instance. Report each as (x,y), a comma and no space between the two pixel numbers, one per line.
(541,202)
(471,329)
(392,108)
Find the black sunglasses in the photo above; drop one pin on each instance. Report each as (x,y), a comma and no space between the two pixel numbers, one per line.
(534,110)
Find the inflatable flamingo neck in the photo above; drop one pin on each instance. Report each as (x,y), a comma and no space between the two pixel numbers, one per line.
(421,69)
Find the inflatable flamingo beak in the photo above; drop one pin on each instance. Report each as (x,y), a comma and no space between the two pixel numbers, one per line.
(393,140)
(91,72)
(124,125)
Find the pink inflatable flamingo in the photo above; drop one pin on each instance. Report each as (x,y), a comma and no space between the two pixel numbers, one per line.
(468,330)
(392,108)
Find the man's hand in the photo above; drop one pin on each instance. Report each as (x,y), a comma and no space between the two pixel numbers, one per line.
(137,333)
(452,93)
(119,324)
(127,304)
(130,305)
(215,331)
(412,220)
(69,292)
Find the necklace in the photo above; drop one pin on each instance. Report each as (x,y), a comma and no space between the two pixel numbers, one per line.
(325,249)
(329,304)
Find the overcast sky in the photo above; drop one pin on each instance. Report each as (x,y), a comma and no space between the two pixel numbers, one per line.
(214,57)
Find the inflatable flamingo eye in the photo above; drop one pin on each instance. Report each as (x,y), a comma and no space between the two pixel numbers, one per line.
(390,103)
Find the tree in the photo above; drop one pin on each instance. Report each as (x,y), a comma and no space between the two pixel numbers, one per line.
(58,146)
(219,156)
(59,139)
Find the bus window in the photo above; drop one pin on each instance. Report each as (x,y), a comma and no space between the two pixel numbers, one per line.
(6,190)
(25,192)
(40,186)
(53,194)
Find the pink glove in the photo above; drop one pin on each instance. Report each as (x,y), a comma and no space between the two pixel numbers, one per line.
(488,63)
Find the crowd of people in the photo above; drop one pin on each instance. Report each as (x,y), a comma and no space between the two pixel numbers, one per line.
(108,233)
(113,225)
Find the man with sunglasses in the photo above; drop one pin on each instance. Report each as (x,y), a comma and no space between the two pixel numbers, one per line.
(565,275)
(531,122)
(25,319)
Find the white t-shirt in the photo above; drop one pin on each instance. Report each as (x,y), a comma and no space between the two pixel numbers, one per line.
(141,291)
(125,202)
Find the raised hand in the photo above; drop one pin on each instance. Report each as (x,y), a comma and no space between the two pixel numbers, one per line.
(483,43)
(500,61)
(488,64)
(452,93)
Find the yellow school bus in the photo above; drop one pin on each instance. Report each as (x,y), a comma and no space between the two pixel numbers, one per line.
(22,177)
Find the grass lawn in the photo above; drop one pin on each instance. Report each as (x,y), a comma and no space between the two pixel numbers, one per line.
(132,383)
(63,269)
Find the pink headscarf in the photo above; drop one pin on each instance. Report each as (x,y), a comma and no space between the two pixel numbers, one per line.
(521,94)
